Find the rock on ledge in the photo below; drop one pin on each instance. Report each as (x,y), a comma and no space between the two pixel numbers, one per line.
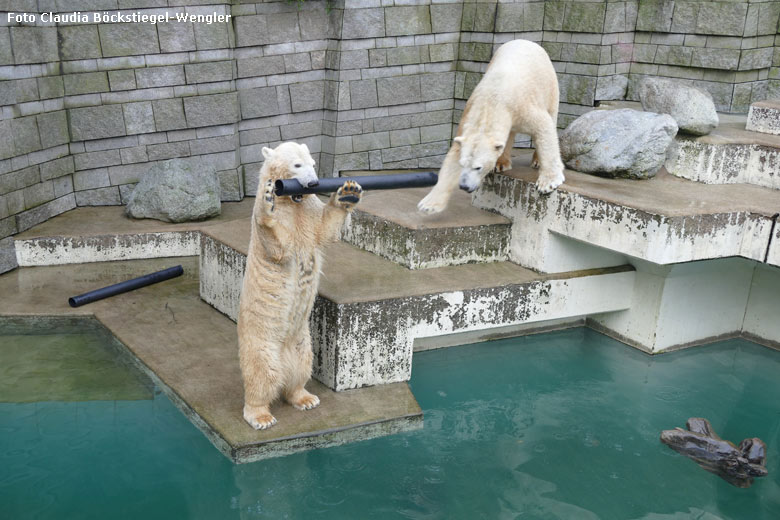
(618,143)
(692,108)
(177,190)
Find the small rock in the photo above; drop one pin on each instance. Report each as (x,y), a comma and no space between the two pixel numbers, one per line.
(618,143)
(177,190)
(691,107)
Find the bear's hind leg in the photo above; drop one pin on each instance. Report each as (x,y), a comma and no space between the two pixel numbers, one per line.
(262,383)
(298,358)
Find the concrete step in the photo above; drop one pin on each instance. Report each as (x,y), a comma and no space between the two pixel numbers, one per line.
(371,312)
(663,220)
(728,155)
(388,224)
(764,117)
(191,352)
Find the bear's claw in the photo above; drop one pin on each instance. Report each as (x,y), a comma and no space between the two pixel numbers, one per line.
(261,422)
(429,205)
(546,184)
(349,194)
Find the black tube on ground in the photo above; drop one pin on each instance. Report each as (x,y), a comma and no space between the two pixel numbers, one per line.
(287,187)
(123,287)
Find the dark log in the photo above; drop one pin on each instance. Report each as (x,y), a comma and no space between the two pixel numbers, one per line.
(736,465)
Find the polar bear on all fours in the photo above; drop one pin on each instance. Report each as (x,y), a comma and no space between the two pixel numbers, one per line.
(518,94)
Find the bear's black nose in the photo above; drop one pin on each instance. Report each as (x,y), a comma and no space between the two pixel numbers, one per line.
(314,183)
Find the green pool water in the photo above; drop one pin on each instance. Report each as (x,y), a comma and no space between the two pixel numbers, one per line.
(556,426)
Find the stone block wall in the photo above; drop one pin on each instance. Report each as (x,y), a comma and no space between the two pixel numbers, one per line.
(366,84)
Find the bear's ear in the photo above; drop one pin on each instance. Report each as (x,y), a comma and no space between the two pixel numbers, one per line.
(499,146)
(267,152)
(306,148)
(458,139)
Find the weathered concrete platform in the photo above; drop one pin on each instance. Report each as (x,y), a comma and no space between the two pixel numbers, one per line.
(764,117)
(388,224)
(664,220)
(191,351)
(728,155)
(371,310)
(103,233)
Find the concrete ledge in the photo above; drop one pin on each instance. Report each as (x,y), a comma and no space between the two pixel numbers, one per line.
(79,236)
(663,220)
(727,156)
(191,352)
(387,223)
(764,117)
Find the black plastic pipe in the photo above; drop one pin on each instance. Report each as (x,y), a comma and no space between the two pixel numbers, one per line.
(287,187)
(123,287)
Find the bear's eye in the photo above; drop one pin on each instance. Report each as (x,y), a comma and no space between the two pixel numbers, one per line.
(297,165)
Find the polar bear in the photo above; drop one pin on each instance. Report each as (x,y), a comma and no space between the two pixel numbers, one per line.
(280,282)
(518,94)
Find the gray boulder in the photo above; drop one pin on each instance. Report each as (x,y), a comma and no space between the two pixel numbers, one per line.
(691,107)
(618,143)
(177,190)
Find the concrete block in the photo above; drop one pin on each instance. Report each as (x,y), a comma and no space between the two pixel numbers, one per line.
(96,122)
(299,62)
(576,89)
(209,72)
(509,17)
(34,44)
(655,16)
(250,30)
(57,168)
(363,93)
(398,90)
(90,179)
(19,179)
(756,58)
(722,59)
(121,79)
(159,76)
(168,114)
(38,194)
(264,66)
(363,23)
(6,56)
(433,133)
(159,152)
(721,18)
(44,212)
(25,134)
(216,109)
(7,228)
(50,87)
(135,154)
(176,37)
(128,39)
(108,196)
(405,137)
(88,83)
(437,86)
(356,59)
(307,96)
(53,128)
(351,161)
(371,141)
(211,36)
(90,160)
(446,18)
(63,185)
(139,117)
(406,20)
(79,42)
(314,24)
(259,102)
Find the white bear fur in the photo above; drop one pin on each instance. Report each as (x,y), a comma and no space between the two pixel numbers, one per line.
(517,94)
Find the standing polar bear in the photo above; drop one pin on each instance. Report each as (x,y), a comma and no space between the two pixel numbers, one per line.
(518,94)
(280,283)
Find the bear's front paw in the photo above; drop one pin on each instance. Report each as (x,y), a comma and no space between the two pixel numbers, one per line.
(349,194)
(548,183)
(431,204)
(535,160)
(503,164)
(259,418)
(269,197)
(304,400)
